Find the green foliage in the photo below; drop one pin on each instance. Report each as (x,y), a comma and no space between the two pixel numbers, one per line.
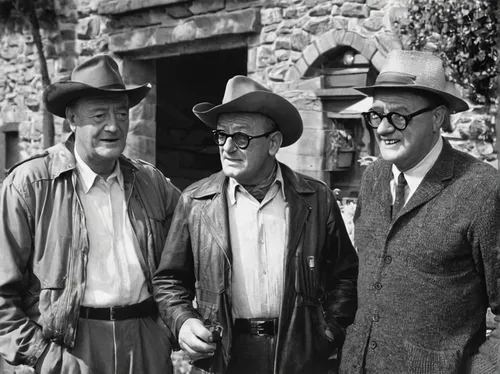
(464,34)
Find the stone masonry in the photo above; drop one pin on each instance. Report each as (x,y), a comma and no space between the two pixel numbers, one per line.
(285,40)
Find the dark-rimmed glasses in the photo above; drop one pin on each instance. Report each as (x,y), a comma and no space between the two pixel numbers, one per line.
(241,139)
(399,121)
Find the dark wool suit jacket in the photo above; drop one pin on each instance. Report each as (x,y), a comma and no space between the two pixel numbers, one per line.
(427,278)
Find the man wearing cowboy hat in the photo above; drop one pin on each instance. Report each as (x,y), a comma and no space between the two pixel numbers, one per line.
(82,230)
(427,232)
(263,249)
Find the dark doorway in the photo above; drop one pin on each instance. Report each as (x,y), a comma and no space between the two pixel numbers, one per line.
(185,151)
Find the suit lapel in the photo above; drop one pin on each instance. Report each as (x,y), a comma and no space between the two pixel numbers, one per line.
(434,181)
(382,191)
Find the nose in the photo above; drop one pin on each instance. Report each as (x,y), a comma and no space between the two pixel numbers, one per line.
(385,127)
(229,146)
(112,124)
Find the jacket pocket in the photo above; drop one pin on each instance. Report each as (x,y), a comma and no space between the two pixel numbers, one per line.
(421,360)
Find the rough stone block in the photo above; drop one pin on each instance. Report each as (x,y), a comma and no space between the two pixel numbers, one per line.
(299,39)
(241,4)
(369,49)
(326,42)
(277,72)
(271,15)
(123,6)
(340,22)
(184,32)
(388,41)
(376,4)
(206,6)
(354,10)
(252,60)
(88,28)
(265,56)
(268,37)
(335,10)
(311,54)
(338,36)
(237,22)
(320,10)
(286,27)
(282,54)
(317,25)
(283,42)
(373,24)
(348,38)
(179,11)
(294,56)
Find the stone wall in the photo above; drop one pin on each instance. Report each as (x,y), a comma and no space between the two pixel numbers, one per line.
(286,40)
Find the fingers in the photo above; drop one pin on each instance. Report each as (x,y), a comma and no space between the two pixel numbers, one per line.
(196,340)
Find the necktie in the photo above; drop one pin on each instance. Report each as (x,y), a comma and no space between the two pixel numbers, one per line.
(399,202)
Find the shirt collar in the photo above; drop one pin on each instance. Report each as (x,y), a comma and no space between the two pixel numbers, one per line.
(416,174)
(233,184)
(88,176)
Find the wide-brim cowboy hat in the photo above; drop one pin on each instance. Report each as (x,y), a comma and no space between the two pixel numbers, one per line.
(416,71)
(243,94)
(98,76)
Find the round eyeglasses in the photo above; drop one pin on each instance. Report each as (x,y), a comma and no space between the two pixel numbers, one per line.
(241,139)
(399,121)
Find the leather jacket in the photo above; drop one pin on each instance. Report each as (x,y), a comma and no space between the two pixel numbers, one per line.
(319,295)
(44,246)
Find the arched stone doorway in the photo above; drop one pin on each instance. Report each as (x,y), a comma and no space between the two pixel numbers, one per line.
(321,86)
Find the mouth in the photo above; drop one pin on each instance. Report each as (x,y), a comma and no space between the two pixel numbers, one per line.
(110,141)
(390,141)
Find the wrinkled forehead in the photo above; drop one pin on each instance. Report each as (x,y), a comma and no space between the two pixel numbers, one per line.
(396,99)
(244,121)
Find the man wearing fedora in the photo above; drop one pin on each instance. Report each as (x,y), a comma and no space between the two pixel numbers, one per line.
(427,233)
(262,248)
(81,234)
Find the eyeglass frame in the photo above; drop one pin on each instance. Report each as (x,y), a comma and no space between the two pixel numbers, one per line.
(249,137)
(406,117)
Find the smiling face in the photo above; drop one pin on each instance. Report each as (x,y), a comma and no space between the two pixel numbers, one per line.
(408,147)
(253,164)
(101,126)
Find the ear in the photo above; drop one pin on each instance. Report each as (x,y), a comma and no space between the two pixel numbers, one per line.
(70,116)
(438,118)
(276,140)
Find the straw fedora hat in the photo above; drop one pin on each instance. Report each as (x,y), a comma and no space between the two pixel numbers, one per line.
(419,71)
(96,76)
(243,94)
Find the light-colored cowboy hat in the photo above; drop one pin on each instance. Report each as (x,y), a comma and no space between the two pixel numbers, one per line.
(243,94)
(419,71)
(96,76)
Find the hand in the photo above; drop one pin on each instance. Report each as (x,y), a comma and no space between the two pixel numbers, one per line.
(196,340)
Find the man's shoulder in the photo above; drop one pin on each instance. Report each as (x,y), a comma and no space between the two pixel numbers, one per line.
(468,169)
(32,169)
(208,185)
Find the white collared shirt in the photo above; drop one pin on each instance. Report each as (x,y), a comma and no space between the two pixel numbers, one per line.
(114,273)
(258,236)
(416,174)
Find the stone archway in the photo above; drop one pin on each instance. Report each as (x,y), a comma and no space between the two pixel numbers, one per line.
(315,153)
(336,38)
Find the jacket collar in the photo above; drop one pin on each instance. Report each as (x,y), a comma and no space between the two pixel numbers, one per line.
(215,184)
(63,159)
(432,184)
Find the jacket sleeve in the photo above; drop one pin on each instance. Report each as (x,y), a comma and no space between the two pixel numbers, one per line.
(174,280)
(484,236)
(341,275)
(21,340)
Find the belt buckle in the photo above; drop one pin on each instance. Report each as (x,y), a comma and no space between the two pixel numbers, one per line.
(260,329)
(112,316)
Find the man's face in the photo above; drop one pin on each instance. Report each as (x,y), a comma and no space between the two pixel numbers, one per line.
(253,164)
(100,125)
(408,147)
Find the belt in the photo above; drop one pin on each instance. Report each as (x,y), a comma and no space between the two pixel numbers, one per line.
(256,326)
(146,308)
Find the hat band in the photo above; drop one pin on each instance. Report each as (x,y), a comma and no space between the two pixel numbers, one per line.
(395,78)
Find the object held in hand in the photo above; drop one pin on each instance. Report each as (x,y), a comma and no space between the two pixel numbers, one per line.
(216,331)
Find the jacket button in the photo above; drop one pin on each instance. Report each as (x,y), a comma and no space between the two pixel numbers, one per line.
(376,317)
(373,345)
(388,259)
(378,285)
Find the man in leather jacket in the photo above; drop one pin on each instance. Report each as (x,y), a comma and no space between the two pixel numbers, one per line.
(81,232)
(262,249)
